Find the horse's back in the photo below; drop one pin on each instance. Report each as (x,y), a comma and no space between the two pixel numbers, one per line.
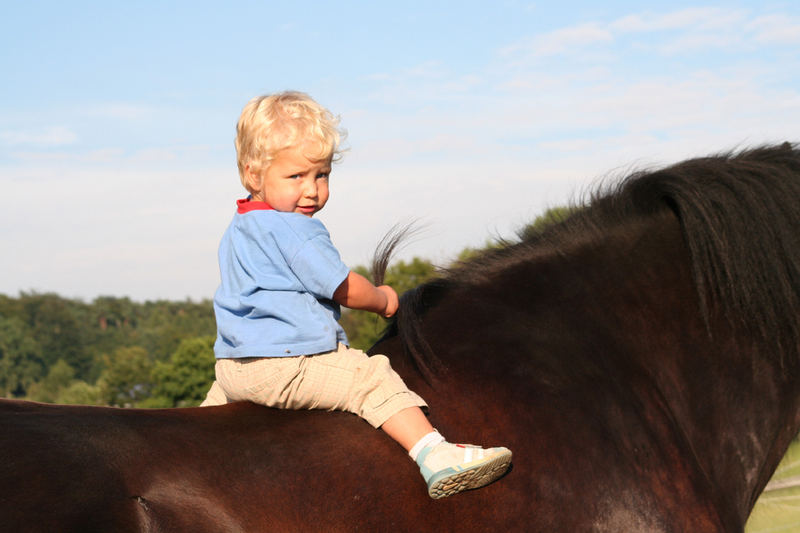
(239,467)
(74,468)
(54,476)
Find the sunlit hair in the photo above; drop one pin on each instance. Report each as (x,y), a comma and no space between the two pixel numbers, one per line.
(271,123)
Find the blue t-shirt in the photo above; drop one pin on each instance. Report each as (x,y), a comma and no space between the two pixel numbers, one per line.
(279,272)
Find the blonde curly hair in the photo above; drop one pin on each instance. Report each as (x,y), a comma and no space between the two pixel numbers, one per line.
(271,123)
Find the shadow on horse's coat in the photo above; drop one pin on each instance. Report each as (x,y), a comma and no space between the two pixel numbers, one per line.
(640,359)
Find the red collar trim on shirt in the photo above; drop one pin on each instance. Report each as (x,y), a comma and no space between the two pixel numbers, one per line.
(245,205)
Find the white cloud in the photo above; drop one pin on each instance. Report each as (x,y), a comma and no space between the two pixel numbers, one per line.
(560,41)
(699,18)
(775,29)
(672,32)
(45,137)
(121,111)
(690,42)
(429,81)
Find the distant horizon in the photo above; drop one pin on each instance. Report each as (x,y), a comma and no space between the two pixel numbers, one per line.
(117,166)
(93,299)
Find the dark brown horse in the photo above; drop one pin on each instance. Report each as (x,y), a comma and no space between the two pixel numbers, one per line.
(640,359)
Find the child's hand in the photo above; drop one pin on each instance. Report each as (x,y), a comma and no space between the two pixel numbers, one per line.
(392,301)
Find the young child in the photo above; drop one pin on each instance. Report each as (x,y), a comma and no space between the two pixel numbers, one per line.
(279,342)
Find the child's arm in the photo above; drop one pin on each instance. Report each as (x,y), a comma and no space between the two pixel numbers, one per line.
(356,292)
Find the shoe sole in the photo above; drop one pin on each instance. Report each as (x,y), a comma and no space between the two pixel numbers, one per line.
(475,476)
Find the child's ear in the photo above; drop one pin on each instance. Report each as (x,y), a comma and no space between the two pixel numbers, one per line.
(252,179)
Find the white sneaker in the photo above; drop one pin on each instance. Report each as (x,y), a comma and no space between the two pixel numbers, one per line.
(451,468)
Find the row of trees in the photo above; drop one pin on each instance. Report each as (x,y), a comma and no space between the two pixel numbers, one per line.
(114,351)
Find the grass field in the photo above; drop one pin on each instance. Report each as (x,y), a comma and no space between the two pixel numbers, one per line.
(778,509)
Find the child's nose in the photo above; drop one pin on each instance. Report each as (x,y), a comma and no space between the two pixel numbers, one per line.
(310,188)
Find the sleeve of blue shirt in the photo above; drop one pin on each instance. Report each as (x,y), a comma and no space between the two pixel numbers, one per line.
(317,263)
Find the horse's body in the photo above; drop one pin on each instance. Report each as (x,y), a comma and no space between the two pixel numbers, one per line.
(641,361)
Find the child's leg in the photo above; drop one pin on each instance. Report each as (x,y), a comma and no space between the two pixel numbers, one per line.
(447,468)
(348,380)
(376,393)
(407,427)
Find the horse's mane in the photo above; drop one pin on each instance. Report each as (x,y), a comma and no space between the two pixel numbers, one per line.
(740,218)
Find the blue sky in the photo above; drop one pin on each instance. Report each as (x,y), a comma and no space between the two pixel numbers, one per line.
(117,167)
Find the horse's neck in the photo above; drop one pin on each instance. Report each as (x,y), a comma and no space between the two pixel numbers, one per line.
(715,392)
(733,418)
(730,404)
(717,405)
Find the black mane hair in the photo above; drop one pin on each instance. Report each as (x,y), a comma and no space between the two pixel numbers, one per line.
(740,218)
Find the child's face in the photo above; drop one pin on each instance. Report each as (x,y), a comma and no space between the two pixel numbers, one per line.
(293,183)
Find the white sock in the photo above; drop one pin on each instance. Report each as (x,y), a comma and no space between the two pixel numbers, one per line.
(431,439)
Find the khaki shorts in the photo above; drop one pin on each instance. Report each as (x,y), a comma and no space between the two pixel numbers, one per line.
(342,380)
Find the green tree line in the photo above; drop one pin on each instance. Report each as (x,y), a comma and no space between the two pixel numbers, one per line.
(114,351)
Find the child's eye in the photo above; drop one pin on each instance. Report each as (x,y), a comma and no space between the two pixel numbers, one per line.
(323,175)
(295,177)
